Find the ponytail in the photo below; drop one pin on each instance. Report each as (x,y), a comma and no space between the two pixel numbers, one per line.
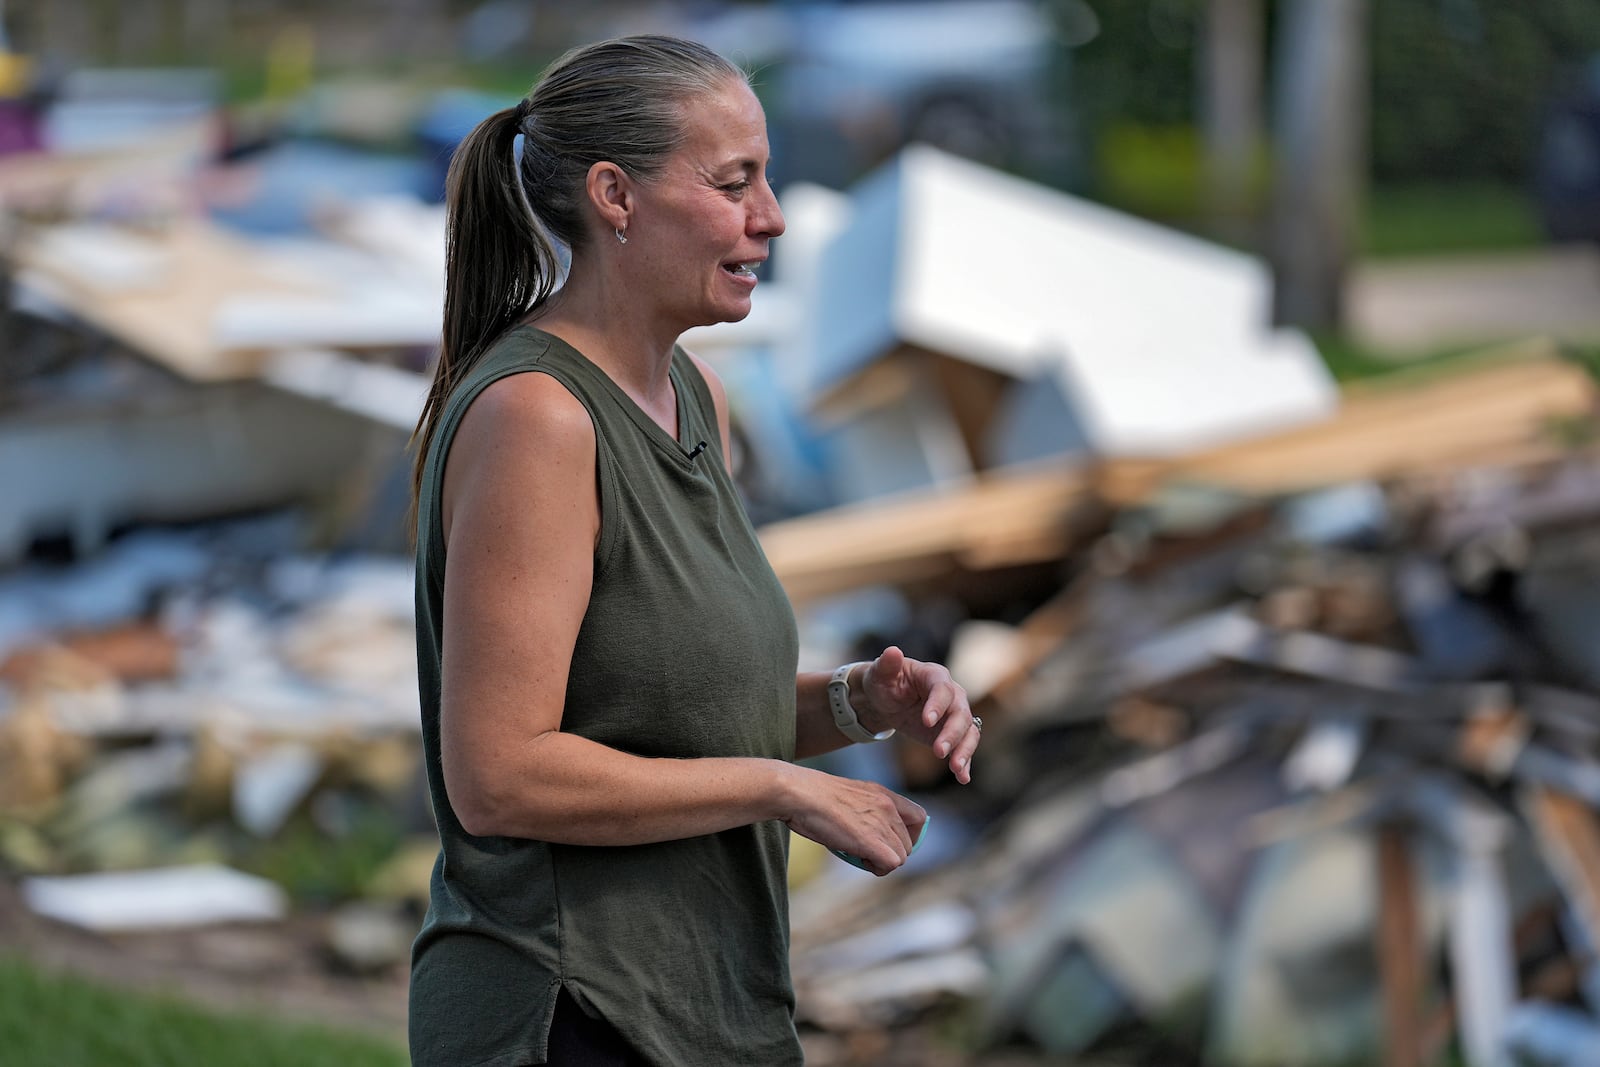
(499,263)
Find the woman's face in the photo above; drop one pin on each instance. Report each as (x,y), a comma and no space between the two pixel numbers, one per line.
(701,227)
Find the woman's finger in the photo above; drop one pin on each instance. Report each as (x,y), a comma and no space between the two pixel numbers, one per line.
(912,817)
(943,696)
(961,758)
(951,702)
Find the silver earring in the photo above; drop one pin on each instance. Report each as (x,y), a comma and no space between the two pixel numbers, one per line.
(622,238)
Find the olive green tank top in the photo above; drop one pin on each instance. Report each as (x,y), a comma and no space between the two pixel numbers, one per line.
(688,648)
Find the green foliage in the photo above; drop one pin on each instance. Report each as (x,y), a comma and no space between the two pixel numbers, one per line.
(1138,72)
(317,868)
(1157,172)
(1459,85)
(1152,171)
(1586,356)
(51,1021)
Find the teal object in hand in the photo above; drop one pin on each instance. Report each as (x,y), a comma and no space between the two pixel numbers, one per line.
(857,861)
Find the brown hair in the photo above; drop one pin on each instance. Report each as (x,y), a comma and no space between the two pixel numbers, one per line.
(618,100)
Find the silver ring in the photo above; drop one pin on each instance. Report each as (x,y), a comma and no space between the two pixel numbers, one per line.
(977,723)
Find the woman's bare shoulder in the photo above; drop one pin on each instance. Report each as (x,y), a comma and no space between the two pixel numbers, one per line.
(519,410)
(525,438)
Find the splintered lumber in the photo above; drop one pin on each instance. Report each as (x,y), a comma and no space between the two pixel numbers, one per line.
(1000,520)
(157,293)
(1569,837)
(1498,410)
(1400,949)
(1040,634)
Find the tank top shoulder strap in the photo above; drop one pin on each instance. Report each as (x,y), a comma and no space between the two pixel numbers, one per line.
(700,403)
(519,351)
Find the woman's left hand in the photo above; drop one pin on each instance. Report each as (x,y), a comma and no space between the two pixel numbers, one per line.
(923,702)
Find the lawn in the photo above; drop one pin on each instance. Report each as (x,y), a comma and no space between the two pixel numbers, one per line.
(53,1021)
(1448,218)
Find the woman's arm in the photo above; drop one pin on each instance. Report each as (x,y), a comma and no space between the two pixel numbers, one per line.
(521,518)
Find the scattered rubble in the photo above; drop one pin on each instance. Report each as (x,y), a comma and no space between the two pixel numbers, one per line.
(225,722)
(1305,775)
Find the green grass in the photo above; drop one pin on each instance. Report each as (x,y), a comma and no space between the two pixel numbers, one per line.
(1447,218)
(53,1021)
(1350,361)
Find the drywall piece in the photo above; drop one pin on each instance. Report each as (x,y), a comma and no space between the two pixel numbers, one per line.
(1159,341)
(154,899)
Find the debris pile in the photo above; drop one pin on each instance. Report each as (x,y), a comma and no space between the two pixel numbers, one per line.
(191,735)
(1294,760)
(1291,748)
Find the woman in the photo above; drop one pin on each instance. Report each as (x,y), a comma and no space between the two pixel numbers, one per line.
(610,738)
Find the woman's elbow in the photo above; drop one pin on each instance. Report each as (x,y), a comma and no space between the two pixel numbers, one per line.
(478,820)
(479,807)
(492,787)
(478,815)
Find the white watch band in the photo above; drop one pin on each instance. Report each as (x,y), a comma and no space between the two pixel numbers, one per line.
(844,714)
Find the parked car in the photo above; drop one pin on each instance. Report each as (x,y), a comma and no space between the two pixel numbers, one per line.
(849,82)
(1567,171)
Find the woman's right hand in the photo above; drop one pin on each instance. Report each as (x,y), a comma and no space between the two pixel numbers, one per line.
(864,819)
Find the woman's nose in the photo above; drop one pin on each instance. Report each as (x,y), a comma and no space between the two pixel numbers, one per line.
(768,218)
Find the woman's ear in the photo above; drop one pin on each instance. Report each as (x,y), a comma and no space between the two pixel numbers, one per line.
(610,191)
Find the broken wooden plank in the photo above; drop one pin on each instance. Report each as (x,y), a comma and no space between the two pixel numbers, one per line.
(170,316)
(1032,515)
(1568,834)
(1399,948)
(1501,403)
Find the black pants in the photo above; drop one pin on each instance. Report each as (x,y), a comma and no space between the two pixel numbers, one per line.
(579,1041)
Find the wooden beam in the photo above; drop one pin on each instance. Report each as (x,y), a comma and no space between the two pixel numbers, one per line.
(1499,406)
(1016,518)
(1399,949)
(169,317)
(1569,838)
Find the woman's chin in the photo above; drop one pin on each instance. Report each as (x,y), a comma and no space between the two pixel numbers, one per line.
(724,313)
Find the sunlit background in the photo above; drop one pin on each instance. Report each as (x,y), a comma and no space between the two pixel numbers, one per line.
(1208,382)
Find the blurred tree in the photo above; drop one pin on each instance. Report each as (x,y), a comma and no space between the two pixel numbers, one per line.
(139,30)
(1320,133)
(205,26)
(1463,83)
(1231,104)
